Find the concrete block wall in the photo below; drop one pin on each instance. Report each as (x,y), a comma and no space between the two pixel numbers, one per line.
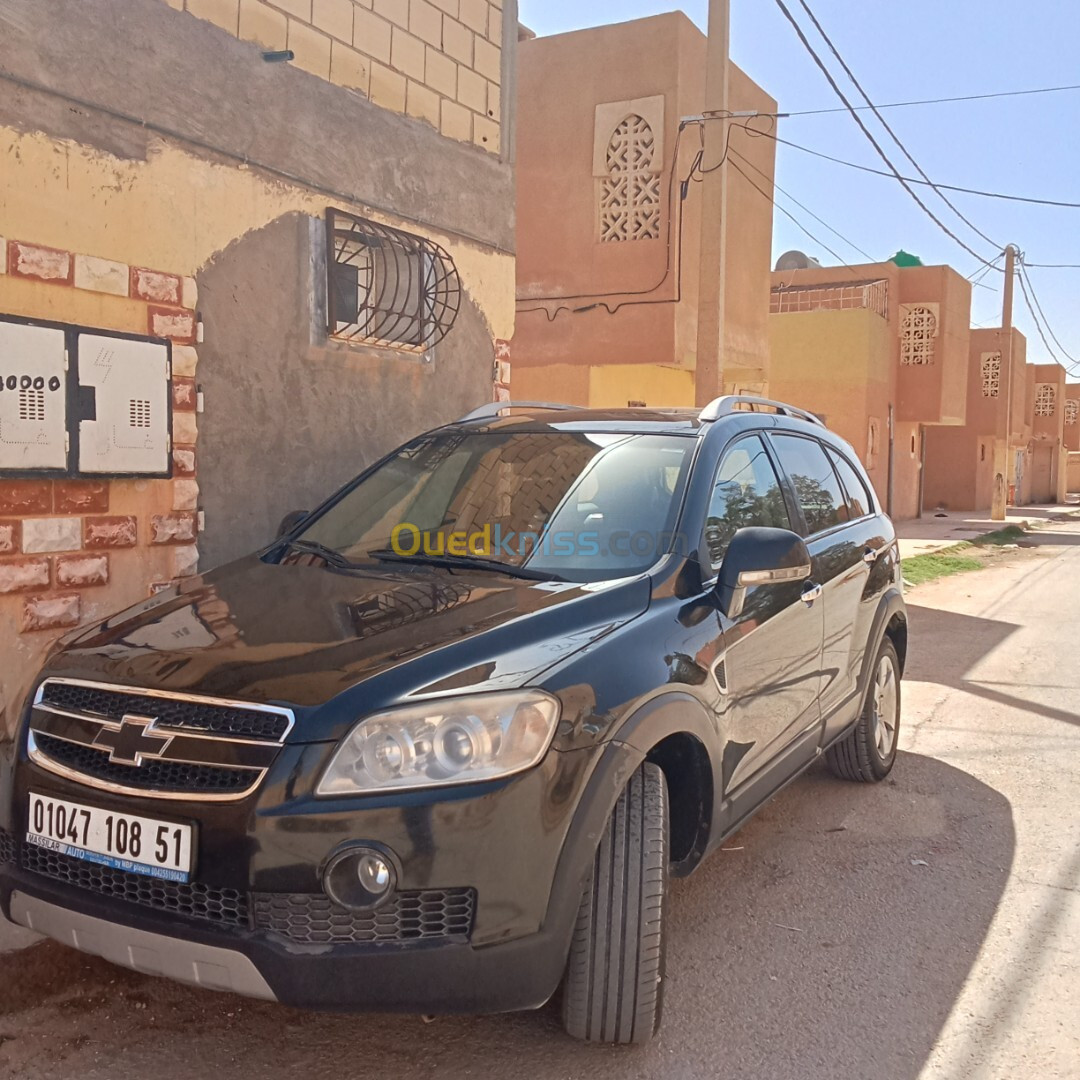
(435,60)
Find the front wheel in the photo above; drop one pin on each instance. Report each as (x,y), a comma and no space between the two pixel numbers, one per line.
(613,989)
(868,752)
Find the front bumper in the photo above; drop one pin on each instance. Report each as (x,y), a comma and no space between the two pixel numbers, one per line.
(526,847)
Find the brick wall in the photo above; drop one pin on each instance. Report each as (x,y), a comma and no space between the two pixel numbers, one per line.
(75,549)
(436,60)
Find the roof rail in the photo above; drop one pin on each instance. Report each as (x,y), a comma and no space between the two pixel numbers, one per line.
(729,403)
(493,408)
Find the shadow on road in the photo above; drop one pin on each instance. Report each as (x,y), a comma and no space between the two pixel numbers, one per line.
(831,940)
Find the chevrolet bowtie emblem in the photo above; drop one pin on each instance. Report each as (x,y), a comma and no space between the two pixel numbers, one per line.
(132,741)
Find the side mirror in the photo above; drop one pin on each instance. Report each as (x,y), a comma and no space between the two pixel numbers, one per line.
(290,521)
(759,556)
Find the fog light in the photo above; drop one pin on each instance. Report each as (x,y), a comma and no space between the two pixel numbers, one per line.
(359,878)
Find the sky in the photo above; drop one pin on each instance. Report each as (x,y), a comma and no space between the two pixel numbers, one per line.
(901,50)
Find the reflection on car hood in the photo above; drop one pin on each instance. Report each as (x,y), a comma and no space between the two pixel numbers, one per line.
(350,641)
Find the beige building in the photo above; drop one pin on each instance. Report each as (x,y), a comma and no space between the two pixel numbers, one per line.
(879,351)
(610,221)
(247,247)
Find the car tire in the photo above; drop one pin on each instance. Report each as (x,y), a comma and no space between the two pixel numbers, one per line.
(867,753)
(613,988)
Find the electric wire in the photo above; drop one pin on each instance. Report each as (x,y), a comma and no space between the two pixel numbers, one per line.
(801,206)
(938,101)
(1024,276)
(913,180)
(870,136)
(885,124)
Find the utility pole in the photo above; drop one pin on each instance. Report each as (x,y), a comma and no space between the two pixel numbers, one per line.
(1004,467)
(708,377)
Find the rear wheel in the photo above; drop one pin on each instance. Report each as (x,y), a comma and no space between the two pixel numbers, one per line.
(868,752)
(613,990)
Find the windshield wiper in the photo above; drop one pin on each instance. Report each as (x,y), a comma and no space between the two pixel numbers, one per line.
(464,562)
(327,554)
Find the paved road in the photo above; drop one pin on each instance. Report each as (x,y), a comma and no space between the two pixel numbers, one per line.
(925,928)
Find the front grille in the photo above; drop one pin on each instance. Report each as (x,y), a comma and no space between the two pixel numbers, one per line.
(227,907)
(163,777)
(432,914)
(8,848)
(190,715)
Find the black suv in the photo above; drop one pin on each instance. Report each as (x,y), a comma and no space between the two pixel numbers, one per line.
(439,747)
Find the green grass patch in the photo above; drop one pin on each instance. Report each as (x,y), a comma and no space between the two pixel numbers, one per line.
(938,564)
(1011,534)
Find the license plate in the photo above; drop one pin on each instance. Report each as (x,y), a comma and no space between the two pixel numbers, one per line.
(140,845)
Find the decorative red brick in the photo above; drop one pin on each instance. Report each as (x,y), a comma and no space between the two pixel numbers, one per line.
(184,394)
(109,532)
(155,286)
(50,612)
(173,528)
(10,537)
(81,497)
(173,323)
(40,263)
(78,571)
(26,497)
(24,575)
(183,460)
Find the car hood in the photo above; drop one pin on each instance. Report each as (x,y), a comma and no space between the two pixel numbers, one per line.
(336,645)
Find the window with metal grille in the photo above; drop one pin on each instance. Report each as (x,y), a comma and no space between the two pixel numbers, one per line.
(1045,399)
(918,328)
(139,413)
(387,287)
(1072,408)
(991,374)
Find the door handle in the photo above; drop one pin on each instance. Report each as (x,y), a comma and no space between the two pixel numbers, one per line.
(870,556)
(810,593)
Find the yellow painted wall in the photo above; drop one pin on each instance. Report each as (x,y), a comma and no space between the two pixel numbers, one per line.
(175,210)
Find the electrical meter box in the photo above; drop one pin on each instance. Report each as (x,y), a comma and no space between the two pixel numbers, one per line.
(33,398)
(123,395)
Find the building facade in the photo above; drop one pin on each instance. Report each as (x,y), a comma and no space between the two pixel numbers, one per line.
(230,280)
(610,222)
(881,353)
(959,471)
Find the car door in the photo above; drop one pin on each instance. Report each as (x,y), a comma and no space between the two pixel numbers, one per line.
(872,535)
(768,671)
(833,541)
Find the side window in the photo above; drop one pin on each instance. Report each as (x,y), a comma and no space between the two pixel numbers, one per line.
(816,485)
(859,502)
(747,492)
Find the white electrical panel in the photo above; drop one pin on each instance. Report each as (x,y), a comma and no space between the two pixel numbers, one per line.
(33,398)
(129,431)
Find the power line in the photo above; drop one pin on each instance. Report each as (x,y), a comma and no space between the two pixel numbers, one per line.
(866,131)
(913,180)
(1024,276)
(1035,320)
(939,101)
(884,123)
(822,221)
(788,213)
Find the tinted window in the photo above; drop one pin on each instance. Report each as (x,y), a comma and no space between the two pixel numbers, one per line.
(858,498)
(587,506)
(746,493)
(816,485)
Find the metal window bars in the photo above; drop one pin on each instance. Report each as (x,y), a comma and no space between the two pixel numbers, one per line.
(386,287)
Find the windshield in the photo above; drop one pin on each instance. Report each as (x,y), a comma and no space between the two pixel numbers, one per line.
(583,506)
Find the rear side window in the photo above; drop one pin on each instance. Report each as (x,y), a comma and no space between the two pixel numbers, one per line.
(859,502)
(815,481)
(747,493)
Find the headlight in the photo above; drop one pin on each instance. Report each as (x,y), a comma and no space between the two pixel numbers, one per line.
(443,741)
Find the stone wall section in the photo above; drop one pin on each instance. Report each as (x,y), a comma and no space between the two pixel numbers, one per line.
(436,60)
